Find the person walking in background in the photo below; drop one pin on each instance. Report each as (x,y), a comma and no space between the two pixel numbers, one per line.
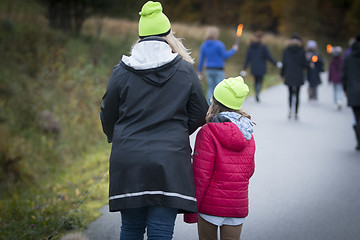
(213,55)
(350,43)
(350,78)
(314,67)
(223,164)
(294,63)
(256,56)
(335,67)
(148,120)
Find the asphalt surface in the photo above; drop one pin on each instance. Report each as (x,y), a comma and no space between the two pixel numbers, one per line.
(306,182)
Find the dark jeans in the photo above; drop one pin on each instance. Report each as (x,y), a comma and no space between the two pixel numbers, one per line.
(213,77)
(313,93)
(158,221)
(356,111)
(258,84)
(294,91)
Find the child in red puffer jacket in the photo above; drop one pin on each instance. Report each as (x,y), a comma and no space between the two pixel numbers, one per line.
(223,163)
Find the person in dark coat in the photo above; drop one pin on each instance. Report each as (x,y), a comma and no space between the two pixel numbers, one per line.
(351,82)
(334,76)
(257,55)
(314,67)
(294,64)
(153,102)
(350,43)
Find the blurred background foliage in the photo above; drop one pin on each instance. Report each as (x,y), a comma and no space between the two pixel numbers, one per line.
(313,18)
(56,57)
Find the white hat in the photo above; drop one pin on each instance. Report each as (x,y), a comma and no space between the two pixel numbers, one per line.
(311,44)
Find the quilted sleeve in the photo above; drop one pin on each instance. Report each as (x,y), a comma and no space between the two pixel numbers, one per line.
(191,217)
(203,162)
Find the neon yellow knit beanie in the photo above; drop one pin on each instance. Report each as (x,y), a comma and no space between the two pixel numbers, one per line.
(153,22)
(231,92)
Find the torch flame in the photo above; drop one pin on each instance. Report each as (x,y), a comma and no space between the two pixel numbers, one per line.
(328,48)
(314,58)
(239,30)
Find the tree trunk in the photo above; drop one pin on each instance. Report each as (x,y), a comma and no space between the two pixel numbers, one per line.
(79,15)
(53,14)
(65,16)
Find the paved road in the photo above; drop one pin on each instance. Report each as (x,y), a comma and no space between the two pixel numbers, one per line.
(306,182)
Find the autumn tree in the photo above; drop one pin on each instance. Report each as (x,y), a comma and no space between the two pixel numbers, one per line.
(352,18)
(259,15)
(327,18)
(69,15)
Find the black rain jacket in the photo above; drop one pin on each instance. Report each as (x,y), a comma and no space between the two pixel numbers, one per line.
(256,55)
(350,76)
(148,115)
(294,63)
(314,68)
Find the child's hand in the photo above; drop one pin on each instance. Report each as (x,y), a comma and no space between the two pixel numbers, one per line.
(191,217)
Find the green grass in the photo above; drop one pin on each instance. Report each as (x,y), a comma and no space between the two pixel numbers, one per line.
(37,211)
(43,175)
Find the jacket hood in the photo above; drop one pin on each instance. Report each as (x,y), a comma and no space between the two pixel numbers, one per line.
(293,43)
(228,133)
(356,49)
(210,42)
(255,45)
(152,59)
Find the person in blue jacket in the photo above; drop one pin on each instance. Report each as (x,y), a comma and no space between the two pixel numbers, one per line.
(256,56)
(213,55)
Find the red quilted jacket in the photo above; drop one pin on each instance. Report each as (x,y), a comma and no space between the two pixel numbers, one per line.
(223,163)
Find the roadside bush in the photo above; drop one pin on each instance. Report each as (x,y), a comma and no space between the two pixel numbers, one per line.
(51,90)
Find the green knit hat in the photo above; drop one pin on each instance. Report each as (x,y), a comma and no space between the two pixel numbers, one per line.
(153,22)
(231,92)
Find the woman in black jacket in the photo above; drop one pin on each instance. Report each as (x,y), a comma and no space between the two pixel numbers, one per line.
(351,82)
(294,63)
(153,102)
(257,55)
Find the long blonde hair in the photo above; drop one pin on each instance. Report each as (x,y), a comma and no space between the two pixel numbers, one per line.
(216,108)
(178,47)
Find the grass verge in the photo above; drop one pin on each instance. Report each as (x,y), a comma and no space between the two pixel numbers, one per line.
(37,210)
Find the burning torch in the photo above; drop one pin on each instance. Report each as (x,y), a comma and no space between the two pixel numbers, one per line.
(329,48)
(314,58)
(238,33)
